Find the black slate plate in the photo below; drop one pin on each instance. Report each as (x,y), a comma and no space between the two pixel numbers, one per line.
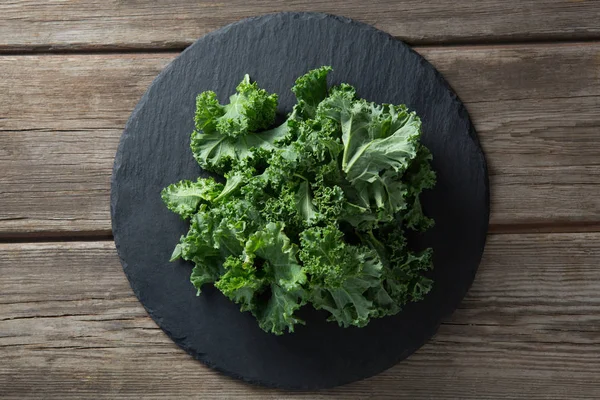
(154,152)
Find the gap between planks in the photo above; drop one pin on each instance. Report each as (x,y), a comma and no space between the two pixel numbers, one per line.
(179,47)
(498,229)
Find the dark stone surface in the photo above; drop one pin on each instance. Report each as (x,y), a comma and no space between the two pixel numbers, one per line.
(154,152)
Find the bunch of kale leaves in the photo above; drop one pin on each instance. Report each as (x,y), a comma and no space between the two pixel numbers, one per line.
(315,210)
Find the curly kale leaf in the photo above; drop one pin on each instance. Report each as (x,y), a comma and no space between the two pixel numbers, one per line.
(184,197)
(219,153)
(226,133)
(343,278)
(250,109)
(381,154)
(310,90)
(269,264)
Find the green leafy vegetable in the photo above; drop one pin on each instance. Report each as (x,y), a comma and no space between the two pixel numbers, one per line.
(313,211)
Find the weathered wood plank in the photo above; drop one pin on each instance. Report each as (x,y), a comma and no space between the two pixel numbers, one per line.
(536,108)
(50,107)
(149,24)
(70,327)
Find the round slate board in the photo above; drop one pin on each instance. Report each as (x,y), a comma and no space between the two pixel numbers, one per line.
(154,152)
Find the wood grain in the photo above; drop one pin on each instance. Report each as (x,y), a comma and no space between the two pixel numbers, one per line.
(70,327)
(30,25)
(60,121)
(536,109)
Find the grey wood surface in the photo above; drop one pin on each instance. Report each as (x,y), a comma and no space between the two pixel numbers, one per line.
(70,327)
(535,108)
(34,25)
(72,71)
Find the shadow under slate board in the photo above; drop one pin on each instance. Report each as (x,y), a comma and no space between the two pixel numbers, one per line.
(154,152)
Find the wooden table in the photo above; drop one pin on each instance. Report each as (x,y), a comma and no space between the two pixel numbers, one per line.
(72,71)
